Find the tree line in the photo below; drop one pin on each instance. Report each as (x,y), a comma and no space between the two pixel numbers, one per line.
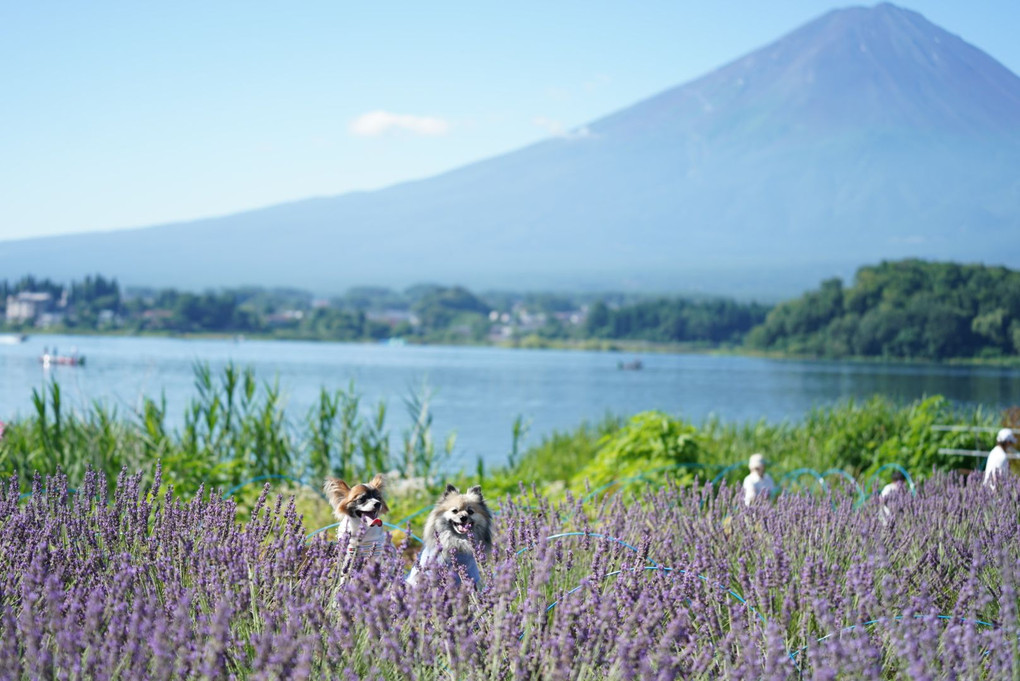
(907,309)
(425,312)
(714,322)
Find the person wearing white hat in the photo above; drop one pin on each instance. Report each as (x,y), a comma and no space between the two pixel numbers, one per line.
(758,484)
(998,458)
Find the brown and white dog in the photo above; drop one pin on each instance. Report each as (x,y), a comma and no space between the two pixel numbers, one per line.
(358,509)
(457,524)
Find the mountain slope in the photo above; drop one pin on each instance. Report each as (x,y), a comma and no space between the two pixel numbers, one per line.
(868,133)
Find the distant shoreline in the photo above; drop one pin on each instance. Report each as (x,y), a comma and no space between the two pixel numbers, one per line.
(527,343)
(621,347)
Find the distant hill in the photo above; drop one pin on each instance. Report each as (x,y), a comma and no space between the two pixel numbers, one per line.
(908,309)
(869,133)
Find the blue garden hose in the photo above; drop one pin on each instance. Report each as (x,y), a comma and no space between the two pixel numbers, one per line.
(794,474)
(873,480)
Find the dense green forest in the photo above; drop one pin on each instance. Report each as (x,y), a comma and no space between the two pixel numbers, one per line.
(905,309)
(709,321)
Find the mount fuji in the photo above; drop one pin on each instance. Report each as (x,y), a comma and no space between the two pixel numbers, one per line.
(866,134)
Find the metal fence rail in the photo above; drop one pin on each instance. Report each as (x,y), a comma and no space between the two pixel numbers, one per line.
(976,430)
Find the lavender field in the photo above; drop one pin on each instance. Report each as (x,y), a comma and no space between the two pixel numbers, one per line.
(652,582)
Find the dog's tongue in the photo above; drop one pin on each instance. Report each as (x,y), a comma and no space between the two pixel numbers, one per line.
(371,522)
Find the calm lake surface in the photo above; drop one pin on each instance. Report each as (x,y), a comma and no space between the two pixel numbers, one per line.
(480,391)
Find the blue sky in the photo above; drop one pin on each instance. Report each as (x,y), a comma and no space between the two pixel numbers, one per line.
(125,114)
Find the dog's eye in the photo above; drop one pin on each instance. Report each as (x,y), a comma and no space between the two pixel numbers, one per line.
(470,512)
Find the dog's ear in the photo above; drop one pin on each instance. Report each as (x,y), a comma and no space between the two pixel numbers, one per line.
(378,481)
(450,489)
(336,490)
(477,490)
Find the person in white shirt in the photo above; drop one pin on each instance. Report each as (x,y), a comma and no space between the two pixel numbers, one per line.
(758,483)
(890,493)
(998,458)
(898,484)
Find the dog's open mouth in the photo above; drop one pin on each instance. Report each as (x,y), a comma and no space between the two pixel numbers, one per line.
(369,517)
(462,527)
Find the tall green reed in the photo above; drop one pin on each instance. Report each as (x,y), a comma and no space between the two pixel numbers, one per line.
(421,458)
(232,429)
(235,428)
(54,438)
(342,441)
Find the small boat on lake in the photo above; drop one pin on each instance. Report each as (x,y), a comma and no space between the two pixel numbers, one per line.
(633,365)
(12,338)
(75,360)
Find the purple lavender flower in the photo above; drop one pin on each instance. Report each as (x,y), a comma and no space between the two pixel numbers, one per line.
(678,582)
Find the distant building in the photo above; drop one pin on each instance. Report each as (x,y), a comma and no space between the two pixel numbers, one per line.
(27,306)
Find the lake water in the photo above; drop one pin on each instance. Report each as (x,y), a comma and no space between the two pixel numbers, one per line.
(480,391)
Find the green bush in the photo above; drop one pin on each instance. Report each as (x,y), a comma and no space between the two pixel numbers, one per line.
(648,440)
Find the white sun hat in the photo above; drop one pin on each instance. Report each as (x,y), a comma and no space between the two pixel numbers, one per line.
(756,461)
(1006,436)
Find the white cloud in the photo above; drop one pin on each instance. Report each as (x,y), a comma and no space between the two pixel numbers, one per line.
(375,123)
(557,129)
